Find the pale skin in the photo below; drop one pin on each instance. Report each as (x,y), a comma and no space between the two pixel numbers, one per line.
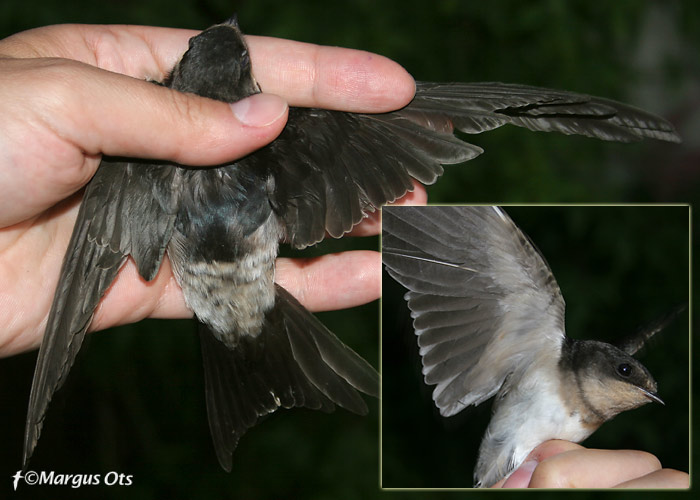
(71,93)
(562,464)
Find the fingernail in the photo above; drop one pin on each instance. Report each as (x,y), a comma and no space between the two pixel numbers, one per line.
(521,477)
(259,110)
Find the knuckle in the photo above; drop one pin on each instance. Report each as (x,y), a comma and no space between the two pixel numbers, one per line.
(184,107)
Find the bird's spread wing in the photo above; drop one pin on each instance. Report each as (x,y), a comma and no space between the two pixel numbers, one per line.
(296,362)
(478,107)
(481,297)
(330,168)
(106,231)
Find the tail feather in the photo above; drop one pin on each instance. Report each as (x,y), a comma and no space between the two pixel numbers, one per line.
(294,362)
(335,355)
(638,339)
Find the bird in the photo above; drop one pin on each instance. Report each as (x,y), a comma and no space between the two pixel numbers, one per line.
(220,228)
(489,319)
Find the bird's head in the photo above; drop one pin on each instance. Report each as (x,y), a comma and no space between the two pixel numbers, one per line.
(609,380)
(216,65)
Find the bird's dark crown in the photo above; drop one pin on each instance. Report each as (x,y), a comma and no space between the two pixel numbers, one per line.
(610,362)
(216,65)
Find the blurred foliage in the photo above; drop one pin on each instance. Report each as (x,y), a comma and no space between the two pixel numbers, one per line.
(134,401)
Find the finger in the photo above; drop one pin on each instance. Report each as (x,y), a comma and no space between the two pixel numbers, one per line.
(663,478)
(304,74)
(588,468)
(130,298)
(371,225)
(329,77)
(143,52)
(520,478)
(120,115)
(333,281)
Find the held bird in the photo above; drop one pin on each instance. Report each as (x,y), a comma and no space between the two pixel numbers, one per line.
(489,320)
(220,228)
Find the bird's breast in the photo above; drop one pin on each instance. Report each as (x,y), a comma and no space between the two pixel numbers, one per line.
(532,412)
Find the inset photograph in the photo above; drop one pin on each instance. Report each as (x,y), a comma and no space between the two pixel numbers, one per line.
(558,329)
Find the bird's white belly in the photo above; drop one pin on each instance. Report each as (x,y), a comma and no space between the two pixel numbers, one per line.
(523,422)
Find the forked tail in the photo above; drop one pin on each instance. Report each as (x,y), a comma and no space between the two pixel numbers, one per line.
(294,361)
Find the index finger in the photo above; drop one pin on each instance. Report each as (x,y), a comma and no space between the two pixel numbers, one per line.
(304,74)
(329,77)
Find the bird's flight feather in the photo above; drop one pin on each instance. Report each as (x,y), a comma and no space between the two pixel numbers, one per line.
(479,294)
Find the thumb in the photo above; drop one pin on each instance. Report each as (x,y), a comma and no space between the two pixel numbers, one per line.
(61,115)
(130,117)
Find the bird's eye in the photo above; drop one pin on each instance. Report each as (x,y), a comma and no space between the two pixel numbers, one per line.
(245,58)
(624,369)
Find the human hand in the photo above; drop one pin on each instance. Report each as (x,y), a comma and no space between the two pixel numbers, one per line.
(70,93)
(562,464)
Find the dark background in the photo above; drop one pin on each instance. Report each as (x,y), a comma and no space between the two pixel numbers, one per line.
(134,402)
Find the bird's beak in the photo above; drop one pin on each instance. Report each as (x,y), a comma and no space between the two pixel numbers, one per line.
(653,396)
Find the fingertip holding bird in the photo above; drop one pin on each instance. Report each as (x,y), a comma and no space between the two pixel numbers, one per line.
(259,110)
(210,135)
(563,464)
(375,83)
(522,476)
